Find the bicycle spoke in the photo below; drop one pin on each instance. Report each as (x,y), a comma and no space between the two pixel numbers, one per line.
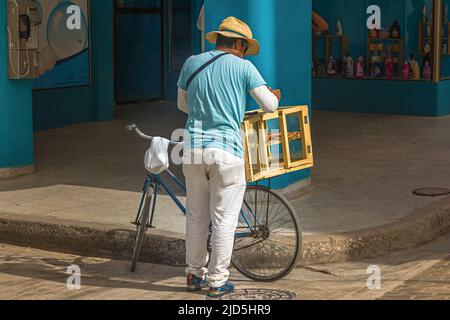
(285,237)
(278,210)
(282,248)
(282,227)
(249,245)
(272,250)
(275,265)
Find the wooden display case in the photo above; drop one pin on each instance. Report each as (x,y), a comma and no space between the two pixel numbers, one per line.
(424,38)
(277,143)
(329,40)
(384,45)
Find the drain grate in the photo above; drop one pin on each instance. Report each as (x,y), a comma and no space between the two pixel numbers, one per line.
(260,295)
(432,192)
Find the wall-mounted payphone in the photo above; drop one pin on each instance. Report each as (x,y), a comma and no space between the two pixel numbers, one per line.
(24,19)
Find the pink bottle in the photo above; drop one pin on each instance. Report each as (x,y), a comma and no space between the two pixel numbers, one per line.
(389,68)
(360,67)
(405,71)
(427,71)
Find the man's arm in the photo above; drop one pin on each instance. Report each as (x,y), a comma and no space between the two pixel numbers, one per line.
(265,99)
(182,100)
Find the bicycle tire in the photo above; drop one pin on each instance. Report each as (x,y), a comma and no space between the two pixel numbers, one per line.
(142,228)
(244,259)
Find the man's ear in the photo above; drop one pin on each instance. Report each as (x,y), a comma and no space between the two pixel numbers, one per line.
(240,44)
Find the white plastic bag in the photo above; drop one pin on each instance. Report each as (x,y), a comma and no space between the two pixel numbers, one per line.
(157,156)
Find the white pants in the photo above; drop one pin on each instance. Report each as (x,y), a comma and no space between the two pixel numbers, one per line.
(216,186)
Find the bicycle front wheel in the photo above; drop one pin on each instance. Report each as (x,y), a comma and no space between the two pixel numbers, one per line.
(142,227)
(269,237)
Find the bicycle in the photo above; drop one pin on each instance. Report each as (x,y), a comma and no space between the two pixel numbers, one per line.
(268,241)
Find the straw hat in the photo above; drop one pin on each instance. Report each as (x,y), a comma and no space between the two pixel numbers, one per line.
(232,27)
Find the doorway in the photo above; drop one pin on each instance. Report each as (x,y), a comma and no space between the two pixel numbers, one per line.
(153,38)
(139,50)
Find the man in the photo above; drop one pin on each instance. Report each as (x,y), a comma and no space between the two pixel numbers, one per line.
(213,87)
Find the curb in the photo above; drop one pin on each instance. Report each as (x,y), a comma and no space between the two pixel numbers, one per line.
(96,240)
(423,226)
(8,173)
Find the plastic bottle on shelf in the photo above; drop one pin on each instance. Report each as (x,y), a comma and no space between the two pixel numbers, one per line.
(427,71)
(414,69)
(350,67)
(389,63)
(446,13)
(424,13)
(376,66)
(331,68)
(339,28)
(395,30)
(405,71)
(344,66)
(360,67)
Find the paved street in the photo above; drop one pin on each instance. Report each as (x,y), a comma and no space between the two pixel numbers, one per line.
(422,273)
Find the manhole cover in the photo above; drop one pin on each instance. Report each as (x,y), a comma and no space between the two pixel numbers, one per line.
(432,192)
(259,295)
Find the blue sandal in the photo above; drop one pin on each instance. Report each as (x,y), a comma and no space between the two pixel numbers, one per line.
(195,283)
(219,292)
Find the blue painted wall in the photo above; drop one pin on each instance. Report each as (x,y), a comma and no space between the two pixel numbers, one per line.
(196,33)
(16,124)
(443,98)
(62,107)
(376,96)
(284,31)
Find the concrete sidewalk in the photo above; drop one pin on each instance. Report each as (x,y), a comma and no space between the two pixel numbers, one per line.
(90,176)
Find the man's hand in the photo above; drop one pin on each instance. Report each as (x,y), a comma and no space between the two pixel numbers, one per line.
(277,93)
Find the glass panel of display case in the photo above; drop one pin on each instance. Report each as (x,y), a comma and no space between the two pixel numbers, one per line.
(445,38)
(277,143)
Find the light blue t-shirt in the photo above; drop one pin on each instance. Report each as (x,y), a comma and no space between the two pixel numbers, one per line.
(217,100)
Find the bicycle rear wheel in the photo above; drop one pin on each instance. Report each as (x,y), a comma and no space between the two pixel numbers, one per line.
(269,237)
(142,228)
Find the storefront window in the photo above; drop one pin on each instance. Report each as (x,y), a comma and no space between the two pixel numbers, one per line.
(399,48)
(445,60)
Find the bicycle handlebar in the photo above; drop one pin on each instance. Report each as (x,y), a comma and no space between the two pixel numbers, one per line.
(131,127)
(134,128)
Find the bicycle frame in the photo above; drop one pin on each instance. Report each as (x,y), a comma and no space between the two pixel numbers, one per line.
(156,181)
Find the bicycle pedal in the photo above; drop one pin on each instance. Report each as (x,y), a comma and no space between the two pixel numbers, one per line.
(151,227)
(134,223)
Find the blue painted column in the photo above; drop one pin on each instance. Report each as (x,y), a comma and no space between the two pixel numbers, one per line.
(284,29)
(102,58)
(16,120)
